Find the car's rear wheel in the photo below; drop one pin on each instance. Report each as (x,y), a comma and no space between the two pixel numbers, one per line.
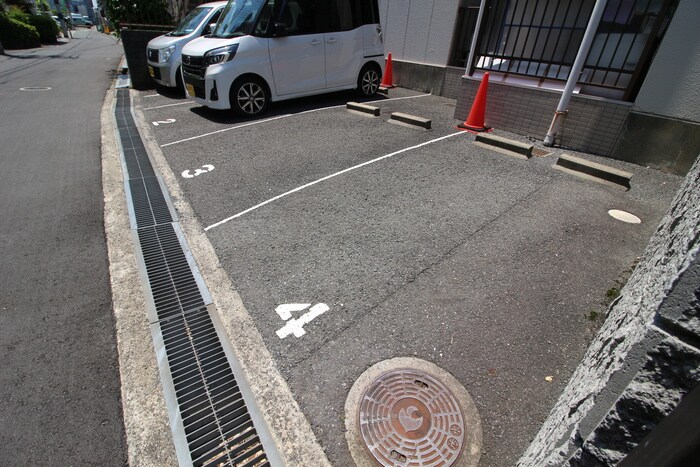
(249,96)
(369,79)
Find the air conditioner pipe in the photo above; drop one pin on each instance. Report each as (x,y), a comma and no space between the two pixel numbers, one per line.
(581,56)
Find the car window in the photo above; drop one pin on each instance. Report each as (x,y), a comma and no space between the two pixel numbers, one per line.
(238,18)
(190,22)
(267,16)
(345,15)
(302,17)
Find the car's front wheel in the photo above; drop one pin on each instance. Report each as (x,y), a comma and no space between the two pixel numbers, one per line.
(249,96)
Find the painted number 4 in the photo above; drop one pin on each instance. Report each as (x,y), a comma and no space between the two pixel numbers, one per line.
(296,326)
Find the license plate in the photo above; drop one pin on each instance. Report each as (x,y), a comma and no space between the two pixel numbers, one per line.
(151,72)
(190,90)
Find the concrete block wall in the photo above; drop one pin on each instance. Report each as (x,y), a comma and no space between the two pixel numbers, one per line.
(592,124)
(645,358)
(452,82)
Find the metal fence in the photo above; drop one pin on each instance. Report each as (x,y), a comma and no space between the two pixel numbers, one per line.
(540,38)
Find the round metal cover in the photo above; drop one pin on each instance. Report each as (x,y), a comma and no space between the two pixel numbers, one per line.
(408,418)
(624,216)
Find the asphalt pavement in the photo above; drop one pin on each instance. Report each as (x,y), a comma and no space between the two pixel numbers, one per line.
(420,243)
(59,378)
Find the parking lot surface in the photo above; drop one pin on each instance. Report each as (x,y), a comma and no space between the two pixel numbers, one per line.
(413,243)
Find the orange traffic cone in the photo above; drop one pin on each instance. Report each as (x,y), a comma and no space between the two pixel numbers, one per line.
(475,121)
(388,79)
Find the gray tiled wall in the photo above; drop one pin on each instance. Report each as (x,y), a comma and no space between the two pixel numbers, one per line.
(452,82)
(592,124)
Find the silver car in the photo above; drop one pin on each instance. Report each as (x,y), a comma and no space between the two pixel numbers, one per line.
(164,53)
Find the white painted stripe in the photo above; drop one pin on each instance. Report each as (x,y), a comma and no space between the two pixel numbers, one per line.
(279,117)
(168,105)
(152,95)
(328,177)
(226,129)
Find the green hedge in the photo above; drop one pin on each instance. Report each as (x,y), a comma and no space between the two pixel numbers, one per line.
(16,35)
(45,26)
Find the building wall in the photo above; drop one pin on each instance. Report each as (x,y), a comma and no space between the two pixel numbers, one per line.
(418,30)
(592,124)
(671,86)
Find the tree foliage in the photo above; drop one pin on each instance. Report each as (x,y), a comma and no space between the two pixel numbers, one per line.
(153,12)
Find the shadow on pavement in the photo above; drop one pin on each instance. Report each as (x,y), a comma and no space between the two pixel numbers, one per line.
(292,106)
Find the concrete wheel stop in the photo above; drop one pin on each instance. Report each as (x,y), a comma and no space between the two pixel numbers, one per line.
(505,146)
(592,171)
(363,108)
(410,120)
(410,412)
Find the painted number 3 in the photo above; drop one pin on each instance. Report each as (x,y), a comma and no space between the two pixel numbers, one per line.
(205,168)
(162,122)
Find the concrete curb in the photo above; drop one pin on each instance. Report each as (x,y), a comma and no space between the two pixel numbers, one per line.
(411,120)
(593,171)
(148,435)
(504,145)
(364,108)
(287,424)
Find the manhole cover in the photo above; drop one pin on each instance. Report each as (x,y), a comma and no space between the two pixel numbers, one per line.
(408,418)
(624,216)
(35,88)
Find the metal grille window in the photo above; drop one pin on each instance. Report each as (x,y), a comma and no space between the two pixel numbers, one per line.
(540,38)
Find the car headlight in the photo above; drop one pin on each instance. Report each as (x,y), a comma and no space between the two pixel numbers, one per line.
(164,54)
(220,55)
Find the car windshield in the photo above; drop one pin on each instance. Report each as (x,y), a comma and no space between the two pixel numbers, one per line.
(191,22)
(238,18)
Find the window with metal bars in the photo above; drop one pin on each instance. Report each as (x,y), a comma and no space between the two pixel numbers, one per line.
(540,38)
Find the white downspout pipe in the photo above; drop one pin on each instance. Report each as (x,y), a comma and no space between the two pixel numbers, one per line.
(581,56)
(475,37)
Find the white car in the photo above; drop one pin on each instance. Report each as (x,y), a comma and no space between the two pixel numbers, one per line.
(263,51)
(164,53)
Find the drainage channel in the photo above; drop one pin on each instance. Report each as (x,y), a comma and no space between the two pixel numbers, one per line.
(212,412)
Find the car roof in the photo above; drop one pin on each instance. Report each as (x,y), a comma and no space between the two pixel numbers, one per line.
(213,4)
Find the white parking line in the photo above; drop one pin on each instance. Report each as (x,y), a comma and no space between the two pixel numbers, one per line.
(226,129)
(168,105)
(152,95)
(279,117)
(328,177)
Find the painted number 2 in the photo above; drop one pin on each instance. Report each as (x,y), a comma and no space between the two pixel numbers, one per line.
(205,168)
(296,325)
(163,122)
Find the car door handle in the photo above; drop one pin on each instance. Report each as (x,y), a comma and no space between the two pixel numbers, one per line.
(331,41)
(315,42)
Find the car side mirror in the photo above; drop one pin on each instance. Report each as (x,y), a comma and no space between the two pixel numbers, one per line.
(280,29)
(208,29)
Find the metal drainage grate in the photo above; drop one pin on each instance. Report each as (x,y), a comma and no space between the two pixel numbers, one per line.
(170,277)
(538,152)
(211,410)
(409,418)
(217,424)
(150,206)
